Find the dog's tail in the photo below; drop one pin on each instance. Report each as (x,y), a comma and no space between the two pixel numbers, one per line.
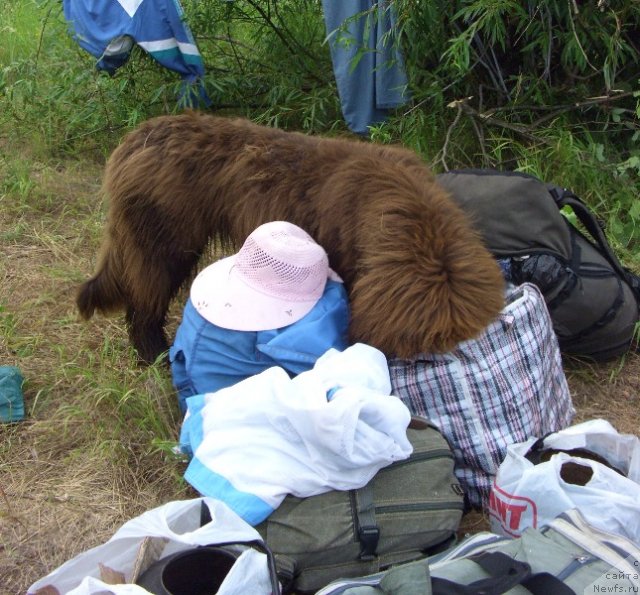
(427,281)
(103,292)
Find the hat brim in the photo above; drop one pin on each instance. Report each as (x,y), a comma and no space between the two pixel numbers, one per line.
(224,299)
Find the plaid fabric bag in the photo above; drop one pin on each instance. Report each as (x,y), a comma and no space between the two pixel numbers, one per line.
(503,387)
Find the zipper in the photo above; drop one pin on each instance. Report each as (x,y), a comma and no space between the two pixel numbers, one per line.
(614,550)
(419,507)
(596,273)
(440,453)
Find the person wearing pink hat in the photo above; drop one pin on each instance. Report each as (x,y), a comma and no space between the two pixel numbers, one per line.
(274,303)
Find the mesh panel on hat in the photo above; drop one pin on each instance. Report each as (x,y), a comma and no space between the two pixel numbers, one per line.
(283,265)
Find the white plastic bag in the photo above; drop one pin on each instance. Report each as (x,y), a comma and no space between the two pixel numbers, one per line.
(158,533)
(525,494)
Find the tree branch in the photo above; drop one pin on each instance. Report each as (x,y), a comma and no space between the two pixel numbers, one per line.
(489,120)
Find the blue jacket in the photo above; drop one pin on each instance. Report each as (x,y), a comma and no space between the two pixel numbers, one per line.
(205,357)
(107,29)
(368,67)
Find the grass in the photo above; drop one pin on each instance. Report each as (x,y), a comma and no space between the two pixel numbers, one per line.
(92,450)
(19,28)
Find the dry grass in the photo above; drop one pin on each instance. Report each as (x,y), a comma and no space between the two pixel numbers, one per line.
(90,453)
(92,450)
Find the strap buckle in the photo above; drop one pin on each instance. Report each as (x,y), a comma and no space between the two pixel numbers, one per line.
(369,537)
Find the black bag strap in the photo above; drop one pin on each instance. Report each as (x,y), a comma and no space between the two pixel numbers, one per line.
(368,530)
(363,506)
(544,583)
(504,574)
(564,197)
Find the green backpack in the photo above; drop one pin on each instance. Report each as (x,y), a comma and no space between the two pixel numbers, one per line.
(567,557)
(591,297)
(409,509)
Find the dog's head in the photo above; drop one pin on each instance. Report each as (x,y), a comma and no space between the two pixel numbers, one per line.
(426,281)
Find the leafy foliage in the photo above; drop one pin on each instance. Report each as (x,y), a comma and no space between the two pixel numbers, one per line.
(267,60)
(522,52)
(547,86)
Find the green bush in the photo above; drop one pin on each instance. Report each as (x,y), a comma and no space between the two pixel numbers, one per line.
(267,60)
(550,87)
(546,86)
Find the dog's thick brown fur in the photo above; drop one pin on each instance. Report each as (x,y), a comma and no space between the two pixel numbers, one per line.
(419,278)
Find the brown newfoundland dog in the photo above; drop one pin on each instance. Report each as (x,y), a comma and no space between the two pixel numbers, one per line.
(419,278)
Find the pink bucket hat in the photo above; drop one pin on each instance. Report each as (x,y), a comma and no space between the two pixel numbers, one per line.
(275,279)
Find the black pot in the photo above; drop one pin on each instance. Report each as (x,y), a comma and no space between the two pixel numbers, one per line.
(196,571)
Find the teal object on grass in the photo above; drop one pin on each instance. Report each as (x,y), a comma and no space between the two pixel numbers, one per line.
(11,399)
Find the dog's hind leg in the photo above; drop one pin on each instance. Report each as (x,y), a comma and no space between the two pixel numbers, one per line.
(160,279)
(146,334)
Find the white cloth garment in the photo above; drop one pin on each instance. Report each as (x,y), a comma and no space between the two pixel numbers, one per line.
(332,427)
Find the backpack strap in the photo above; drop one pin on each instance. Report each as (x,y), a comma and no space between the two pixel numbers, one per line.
(363,506)
(368,530)
(564,197)
(504,574)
